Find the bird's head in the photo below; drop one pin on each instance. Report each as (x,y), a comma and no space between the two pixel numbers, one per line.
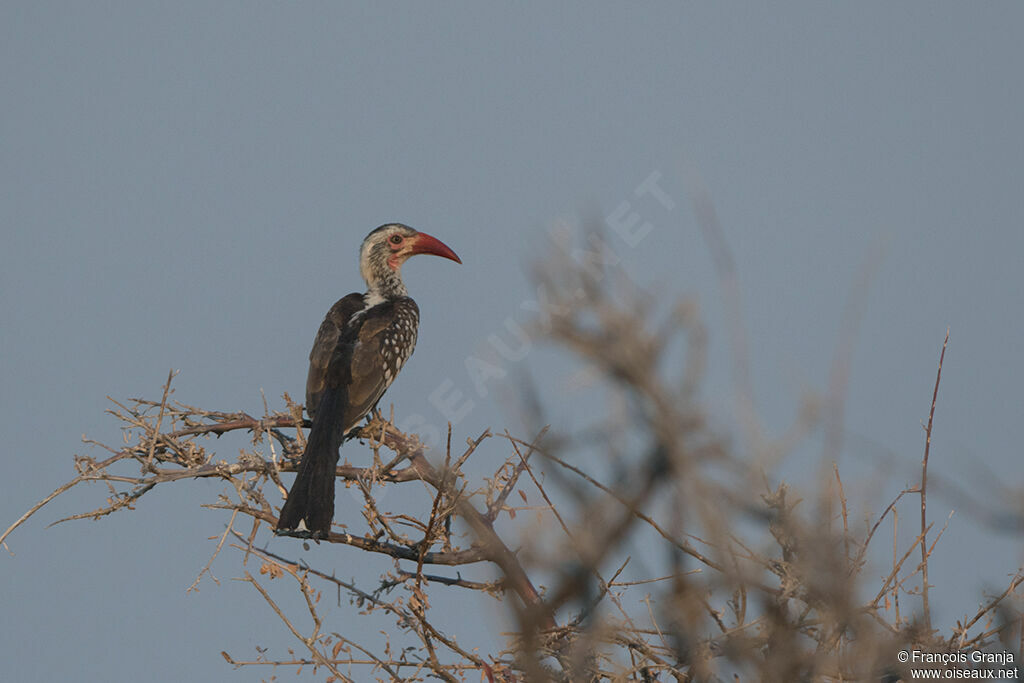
(385,250)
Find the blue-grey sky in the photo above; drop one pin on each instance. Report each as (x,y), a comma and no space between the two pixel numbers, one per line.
(186,184)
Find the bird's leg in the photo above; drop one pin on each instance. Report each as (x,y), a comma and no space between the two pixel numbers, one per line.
(376,417)
(372,417)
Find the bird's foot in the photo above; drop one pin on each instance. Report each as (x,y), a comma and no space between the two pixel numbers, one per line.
(301,533)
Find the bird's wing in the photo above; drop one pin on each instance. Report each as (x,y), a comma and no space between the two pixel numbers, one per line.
(326,347)
(369,374)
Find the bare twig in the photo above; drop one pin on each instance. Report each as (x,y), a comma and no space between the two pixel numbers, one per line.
(926,608)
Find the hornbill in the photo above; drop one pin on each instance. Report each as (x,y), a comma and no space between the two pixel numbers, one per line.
(359,349)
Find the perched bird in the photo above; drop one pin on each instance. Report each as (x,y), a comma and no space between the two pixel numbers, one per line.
(360,347)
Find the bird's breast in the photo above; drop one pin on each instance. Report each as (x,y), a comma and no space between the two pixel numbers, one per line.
(399,341)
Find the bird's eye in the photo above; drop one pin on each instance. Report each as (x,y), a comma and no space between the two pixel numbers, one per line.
(396,239)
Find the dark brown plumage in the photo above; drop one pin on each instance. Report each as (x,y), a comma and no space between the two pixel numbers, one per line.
(362,344)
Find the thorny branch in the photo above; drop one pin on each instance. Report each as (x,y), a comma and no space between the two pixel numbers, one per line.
(714,569)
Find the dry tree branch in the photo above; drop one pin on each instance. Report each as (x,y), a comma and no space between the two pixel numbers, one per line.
(924,490)
(229,529)
(715,570)
(308,641)
(159,419)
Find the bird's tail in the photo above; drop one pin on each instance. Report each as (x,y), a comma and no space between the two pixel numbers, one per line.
(311,499)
